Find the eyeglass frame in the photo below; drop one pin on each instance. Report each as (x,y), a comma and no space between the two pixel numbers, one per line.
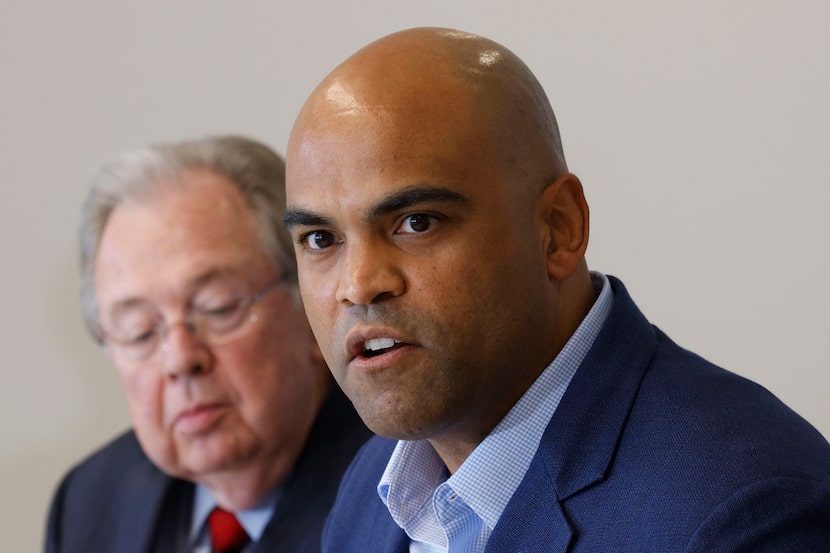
(161,329)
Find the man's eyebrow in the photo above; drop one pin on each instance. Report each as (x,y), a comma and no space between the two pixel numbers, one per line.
(412,196)
(125,305)
(403,199)
(302,217)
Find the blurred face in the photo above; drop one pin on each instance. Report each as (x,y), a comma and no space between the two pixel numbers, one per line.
(420,262)
(202,409)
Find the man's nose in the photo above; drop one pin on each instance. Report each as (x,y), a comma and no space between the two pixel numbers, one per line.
(184,352)
(369,273)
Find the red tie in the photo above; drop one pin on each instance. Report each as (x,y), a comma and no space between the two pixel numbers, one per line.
(226,534)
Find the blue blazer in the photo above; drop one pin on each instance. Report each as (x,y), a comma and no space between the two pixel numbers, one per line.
(652,449)
(117,501)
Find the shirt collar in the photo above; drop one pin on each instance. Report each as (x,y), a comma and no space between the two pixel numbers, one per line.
(253,520)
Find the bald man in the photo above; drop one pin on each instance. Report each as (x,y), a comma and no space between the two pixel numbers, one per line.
(527,403)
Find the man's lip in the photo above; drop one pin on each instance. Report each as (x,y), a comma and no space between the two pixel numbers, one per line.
(383,361)
(193,414)
(358,337)
(194,409)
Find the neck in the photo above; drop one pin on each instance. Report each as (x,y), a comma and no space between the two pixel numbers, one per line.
(574,299)
(243,490)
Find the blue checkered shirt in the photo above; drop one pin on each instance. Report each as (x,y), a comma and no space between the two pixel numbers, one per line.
(456,514)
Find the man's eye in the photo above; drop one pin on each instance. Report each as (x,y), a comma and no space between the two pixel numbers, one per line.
(415,223)
(223,310)
(139,337)
(319,240)
(223,318)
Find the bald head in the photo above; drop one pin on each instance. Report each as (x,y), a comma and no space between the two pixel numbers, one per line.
(426,80)
(436,227)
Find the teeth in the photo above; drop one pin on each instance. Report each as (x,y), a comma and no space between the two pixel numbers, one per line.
(376,344)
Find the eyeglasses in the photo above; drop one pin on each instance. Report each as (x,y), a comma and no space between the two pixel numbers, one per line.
(214,326)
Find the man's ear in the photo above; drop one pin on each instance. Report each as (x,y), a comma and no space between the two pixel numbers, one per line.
(565,223)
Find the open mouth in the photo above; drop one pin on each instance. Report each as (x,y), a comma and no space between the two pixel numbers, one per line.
(378,346)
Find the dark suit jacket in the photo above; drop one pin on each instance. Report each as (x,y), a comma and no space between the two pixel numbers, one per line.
(652,449)
(117,501)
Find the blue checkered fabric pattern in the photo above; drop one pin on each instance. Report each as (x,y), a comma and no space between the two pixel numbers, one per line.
(456,514)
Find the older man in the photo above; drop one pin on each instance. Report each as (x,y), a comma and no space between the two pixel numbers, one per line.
(440,242)
(190,283)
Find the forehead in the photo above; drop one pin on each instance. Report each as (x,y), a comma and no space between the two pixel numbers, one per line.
(347,148)
(175,234)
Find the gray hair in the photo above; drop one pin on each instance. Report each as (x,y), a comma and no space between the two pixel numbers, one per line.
(256,171)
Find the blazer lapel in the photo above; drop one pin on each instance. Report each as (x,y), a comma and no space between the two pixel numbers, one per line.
(309,491)
(579,443)
(138,528)
(385,534)
(135,530)
(578,446)
(533,521)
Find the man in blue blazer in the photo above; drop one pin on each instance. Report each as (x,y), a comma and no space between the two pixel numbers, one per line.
(528,405)
(189,282)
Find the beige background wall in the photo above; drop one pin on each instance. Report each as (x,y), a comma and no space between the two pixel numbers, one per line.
(699,129)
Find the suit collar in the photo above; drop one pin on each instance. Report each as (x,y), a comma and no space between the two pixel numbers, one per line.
(162,515)
(309,491)
(533,521)
(385,534)
(578,446)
